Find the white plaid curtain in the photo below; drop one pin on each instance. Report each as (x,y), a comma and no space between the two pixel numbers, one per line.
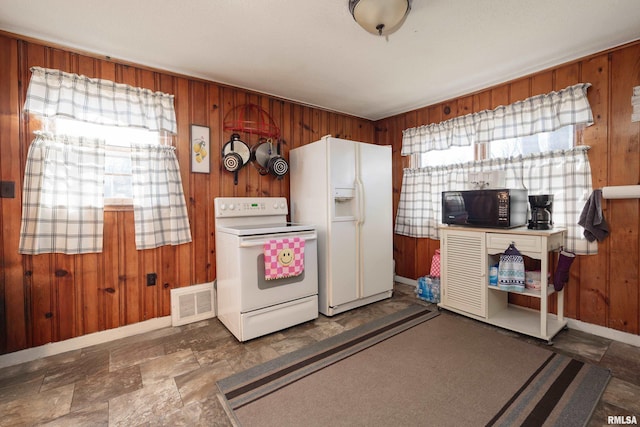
(63,196)
(564,173)
(542,113)
(159,206)
(54,93)
(74,221)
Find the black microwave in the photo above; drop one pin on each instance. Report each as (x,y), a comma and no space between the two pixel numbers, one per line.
(499,208)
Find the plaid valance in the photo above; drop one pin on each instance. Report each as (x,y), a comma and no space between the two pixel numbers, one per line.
(542,113)
(54,93)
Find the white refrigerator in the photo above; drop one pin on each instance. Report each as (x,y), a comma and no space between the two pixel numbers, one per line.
(344,189)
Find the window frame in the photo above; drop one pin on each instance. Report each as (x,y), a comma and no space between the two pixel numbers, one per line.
(481,151)
(92,130)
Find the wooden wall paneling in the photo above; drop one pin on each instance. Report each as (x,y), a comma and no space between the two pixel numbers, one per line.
(422,247)
(335,122)
(500,95)
(88,276)
(343,127)
(111,289)
(63,290)
(259,185)
(149,265)
(323,124)
(369,131)
(135,77)
(182,264)
(131,267)
(285,124)
(298,125)
(404,248)
(352,126)
(563,77)
(215,124)
(336,126)
(541,83)
(146,258)
(65,297)
(107,70)
(13,326)
(464,105)
(592,306)
(200,185)
(481,101)
(307,125)
(449,110)
(166,255)
(360,132)
(623,214)
(277,186)
(286,129)
(86,66)
(422,117)
(251,179)
(314,125)
(59,59)
(227,188)
(566,75)
(42,299)
(167,272)
(519,90)
(244,176)
(263,183)
(38,286)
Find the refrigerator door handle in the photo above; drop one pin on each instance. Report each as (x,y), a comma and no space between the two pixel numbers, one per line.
(360,196)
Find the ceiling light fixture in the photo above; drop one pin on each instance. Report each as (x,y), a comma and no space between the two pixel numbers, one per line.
(380,17)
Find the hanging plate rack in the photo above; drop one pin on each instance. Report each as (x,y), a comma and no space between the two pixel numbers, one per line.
(252,119)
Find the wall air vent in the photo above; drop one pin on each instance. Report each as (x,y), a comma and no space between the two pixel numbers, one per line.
(192,303)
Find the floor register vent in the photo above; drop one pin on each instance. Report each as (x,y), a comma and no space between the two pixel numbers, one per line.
(192,304)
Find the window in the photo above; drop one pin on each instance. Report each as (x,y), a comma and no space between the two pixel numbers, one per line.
(70,170)
(543,163)
(561,139)
(118,140)
(447,157)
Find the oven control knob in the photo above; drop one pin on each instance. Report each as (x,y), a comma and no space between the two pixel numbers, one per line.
(275,206)
(282,205)
(231,206)
(223,207)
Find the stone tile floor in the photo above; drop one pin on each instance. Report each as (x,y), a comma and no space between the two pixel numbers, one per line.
(168,376)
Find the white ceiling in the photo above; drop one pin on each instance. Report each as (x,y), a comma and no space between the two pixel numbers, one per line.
(311,51)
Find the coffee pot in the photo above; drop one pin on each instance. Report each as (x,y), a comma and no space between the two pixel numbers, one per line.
(541,212)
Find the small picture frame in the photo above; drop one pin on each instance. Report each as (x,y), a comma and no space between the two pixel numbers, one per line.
(200,149)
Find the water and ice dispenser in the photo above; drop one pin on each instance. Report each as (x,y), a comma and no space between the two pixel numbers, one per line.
(344,203)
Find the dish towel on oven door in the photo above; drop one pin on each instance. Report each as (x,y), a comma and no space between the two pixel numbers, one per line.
(283,258)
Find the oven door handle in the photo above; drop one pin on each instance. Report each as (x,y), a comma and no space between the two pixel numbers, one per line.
(249,242)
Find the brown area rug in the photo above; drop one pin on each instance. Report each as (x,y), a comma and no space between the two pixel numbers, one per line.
(417,368)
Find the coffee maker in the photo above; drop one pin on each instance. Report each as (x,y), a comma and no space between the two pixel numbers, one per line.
(541,209)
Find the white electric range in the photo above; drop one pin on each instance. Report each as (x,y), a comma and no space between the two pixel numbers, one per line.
(248,304)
